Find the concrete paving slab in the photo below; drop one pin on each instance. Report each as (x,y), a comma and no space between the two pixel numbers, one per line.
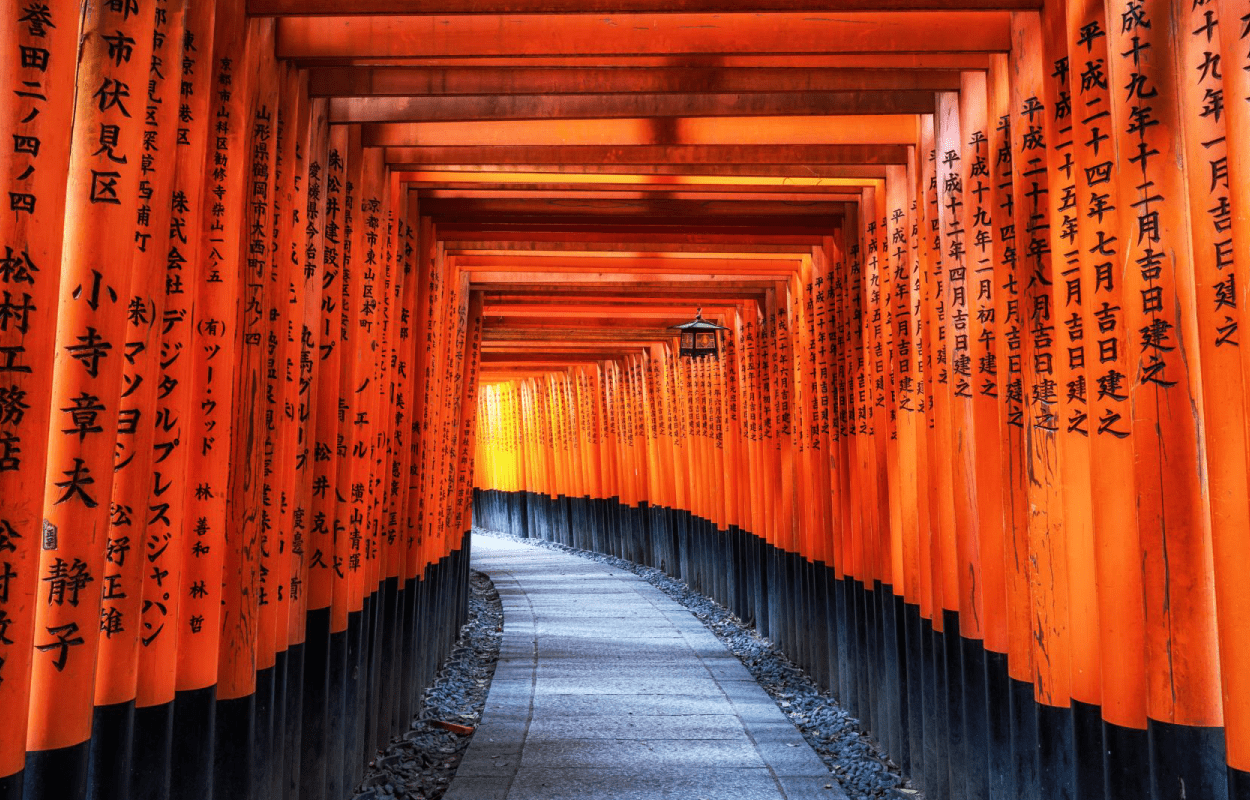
(607,688)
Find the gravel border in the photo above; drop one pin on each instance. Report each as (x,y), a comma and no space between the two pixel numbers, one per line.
(421,764)
(862,768)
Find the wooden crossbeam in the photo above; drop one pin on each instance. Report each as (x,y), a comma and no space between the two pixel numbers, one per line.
(494,81)
(330,8)
(641,33)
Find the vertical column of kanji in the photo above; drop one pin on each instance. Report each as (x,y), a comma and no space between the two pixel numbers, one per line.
(127,619)
(376,211)
(101,199)
(869,324)
(954,434)
(930,244)
(819,380)
(423,399)
(982,253)
(159,758)
(1122,691)
(386,462)
(968,261)
(404,206)
(1047,565)
(901,460)
(373,309)
(457,371)
(359,388)
(407,436)
(347,518)
(286,537)
(871,463)
(471,349)
(886,409)
(902,454)
(835,292)
(1076,764)
(853,348)
(1210,138)
(215,292)
(800,409)
(321,774)
(243,712)
(1234,42)
(39,40)
(914,447)
(934,374)
(976,414)
(309,628)
(1009,658)
(1183,681)
(887,505)
(953,390)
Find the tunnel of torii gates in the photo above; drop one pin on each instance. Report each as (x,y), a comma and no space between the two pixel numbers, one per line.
(290,287)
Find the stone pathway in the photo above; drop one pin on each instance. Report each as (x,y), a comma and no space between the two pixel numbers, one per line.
(607,689)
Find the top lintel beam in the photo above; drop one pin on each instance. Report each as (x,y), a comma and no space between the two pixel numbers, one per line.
(641,34)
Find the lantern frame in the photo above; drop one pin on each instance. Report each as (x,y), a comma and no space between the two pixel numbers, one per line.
(699,337)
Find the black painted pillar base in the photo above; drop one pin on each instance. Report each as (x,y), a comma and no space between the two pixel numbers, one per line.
(108,765)
(1186,761)
(57,774)
(195,721)
(151,759)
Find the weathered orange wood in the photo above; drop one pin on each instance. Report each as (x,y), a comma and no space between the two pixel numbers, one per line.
(877,358)
(284,537)
(1114,514)
(1232,550)
(214,346)
(981,286)
(325,8)
(856,60)
(609,106)
(308,533)
(1010,356)
(178,243)
(100,205)
(405,377)
(40,57)
(839,399)
(427,285)
(639,34)
(142,544)
(521,81)
(326,570)
(877,129)
(1211,290)
(912,395)
(900,191)
(859,385)
(931,576)
(349,519)
(1047,564)
(1175,529)
(934,370)
(242,651)
(953,407)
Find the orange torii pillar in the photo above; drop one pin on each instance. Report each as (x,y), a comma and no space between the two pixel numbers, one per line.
(86,393)
(40,46)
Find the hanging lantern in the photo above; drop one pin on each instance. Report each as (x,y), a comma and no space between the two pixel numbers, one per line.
(700,337)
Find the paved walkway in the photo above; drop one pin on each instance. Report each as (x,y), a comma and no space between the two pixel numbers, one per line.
(607,689)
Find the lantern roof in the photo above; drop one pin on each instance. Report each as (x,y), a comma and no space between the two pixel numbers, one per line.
(699,324)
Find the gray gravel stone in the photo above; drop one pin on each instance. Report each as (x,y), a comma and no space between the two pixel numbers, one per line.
(420,764)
